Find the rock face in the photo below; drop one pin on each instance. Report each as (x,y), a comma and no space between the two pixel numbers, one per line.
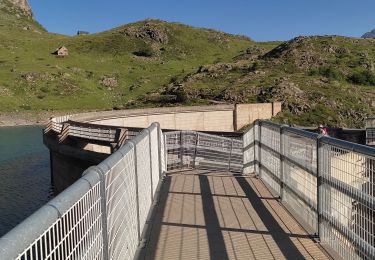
(369,34)
(23,5)
(149,30)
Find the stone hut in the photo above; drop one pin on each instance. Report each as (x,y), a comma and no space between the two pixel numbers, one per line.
(82,33)
(61,51)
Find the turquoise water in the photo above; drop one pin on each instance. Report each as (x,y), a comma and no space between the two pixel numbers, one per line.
(25,183)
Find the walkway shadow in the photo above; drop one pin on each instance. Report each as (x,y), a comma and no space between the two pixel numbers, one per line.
(215,236)
(147,252)
(282,239)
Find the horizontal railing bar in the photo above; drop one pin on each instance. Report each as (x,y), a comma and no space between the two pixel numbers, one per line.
(300,197)
(269,123)
(273,175)
(300,132)
(350,191)
(249,146)
(362,149)
(296,163)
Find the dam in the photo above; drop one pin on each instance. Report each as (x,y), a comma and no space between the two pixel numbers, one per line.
(194,187)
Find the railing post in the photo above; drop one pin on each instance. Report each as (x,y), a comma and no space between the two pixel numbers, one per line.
(159,150)
(230,154)
(318,186)
(150,154)
(255,149)
(181,150)
(103,204)
(64,132)
(195,148)
(281,162)
(136,189)
(260,148)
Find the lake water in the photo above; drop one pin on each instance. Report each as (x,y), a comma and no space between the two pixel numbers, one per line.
(25,183)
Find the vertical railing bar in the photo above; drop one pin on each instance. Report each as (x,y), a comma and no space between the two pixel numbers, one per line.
(255,150)
(136,189)
(259,147)
(195,149)
(150,154)
(181,150)
(230,155)
(281,163)
(159,150)
(318,187)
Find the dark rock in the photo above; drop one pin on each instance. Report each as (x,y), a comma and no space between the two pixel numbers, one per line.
(370,34)
(149,30)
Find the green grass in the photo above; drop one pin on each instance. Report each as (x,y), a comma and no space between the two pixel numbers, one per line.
(73,82)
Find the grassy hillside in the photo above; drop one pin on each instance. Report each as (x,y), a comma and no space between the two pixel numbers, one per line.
(102,70)
(327,80)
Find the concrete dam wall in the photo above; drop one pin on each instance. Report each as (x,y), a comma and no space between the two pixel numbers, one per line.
(82,140)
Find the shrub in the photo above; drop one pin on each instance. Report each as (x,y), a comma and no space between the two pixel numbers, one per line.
(328,72)
(181,96)
(145,52)
(363,78)
(44,89)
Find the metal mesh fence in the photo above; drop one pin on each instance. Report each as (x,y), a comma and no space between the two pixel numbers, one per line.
(270,156)
(249,150)
(163,154)
(299,174)
(154,152)
(102,215)
(188,150)
(144,177)
(173,149)
(121,203)
(347,195)
(68,227)
(326,182)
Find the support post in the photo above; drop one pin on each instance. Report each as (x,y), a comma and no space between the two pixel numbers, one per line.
(181,150)
(195,149)
(281,163)
(255,149)
(104,215)
(159,150)
(150,154)
(318,186)
(260,147)
(230,155)
(64,132)
(136,189)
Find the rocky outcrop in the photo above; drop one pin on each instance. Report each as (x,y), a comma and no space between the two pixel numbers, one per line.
(150,30)
(369,35)
(23,5)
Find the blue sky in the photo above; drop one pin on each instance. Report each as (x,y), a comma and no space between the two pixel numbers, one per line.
(261,20)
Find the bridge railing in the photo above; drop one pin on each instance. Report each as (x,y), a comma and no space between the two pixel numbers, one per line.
(328,184)
(102,215)
(116,136)
(195,150)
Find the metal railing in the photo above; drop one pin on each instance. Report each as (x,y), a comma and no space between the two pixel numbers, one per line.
(102,215)
(195,150)
(327,183)
(116,136)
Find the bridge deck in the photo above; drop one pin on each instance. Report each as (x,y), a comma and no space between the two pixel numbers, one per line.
(216,216)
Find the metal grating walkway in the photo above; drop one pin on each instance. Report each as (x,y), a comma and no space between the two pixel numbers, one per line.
(216,216)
